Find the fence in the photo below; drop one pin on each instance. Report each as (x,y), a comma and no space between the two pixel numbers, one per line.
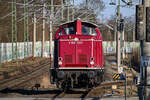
(6,49)
(110,47)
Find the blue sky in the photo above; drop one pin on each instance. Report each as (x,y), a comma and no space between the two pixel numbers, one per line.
(111,9)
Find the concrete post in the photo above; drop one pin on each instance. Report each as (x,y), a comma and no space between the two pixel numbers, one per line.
(12,35)
(73,11)
(50,41)
(27,35)
(133,34)
(68,10)
(43,35)
(25,29)
(62,11)
(123,46)
(118,35)
(0,54)
(14,29)
(34,37)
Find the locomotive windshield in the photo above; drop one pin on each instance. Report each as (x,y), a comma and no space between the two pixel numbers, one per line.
(86,30)
(67,29)
(71,28)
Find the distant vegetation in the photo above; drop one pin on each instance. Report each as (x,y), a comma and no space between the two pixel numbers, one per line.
(88,10)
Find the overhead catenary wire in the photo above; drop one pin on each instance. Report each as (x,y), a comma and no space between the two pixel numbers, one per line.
(36,6)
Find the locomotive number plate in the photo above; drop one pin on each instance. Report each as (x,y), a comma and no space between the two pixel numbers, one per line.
(71,42)
(76,42)
(80,42)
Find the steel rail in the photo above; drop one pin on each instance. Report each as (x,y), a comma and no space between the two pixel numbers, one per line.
(17,80)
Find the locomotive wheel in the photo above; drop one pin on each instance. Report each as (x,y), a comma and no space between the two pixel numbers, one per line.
(66,85)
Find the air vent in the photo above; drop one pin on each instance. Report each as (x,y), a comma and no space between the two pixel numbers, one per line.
(68,59)
(82,58)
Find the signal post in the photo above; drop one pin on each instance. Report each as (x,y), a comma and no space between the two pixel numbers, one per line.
(146,51)
(143,34)
(118,37)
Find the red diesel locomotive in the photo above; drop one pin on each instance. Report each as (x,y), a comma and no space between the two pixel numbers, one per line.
(78,56)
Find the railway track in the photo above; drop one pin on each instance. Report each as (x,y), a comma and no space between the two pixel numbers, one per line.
(22,79)
(100,90)
(43,67)
(74,93)
(91,93)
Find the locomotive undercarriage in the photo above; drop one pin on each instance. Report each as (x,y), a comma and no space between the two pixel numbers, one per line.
(76,78)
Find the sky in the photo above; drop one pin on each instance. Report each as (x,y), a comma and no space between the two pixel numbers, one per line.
(111,9)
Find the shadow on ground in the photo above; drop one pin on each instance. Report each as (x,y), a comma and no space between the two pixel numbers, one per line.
(56,93)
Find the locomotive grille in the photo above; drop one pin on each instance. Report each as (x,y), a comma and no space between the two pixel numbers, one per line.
(82,58)
(68,59)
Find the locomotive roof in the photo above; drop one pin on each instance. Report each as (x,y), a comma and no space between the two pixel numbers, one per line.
(92,24)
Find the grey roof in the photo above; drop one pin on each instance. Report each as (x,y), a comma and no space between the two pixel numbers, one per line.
(81,21)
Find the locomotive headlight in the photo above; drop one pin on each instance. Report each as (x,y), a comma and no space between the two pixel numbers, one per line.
(91,61)
(76,39)
(60,62)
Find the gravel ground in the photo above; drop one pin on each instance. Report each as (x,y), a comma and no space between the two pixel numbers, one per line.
(52,92)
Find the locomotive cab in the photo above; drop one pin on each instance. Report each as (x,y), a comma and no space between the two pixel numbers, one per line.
(78,55)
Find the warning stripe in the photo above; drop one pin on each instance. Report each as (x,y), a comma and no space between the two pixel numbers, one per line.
(114,75)
(117,76)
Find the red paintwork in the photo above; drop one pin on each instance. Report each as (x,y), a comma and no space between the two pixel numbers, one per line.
(79,52)
(78,24)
